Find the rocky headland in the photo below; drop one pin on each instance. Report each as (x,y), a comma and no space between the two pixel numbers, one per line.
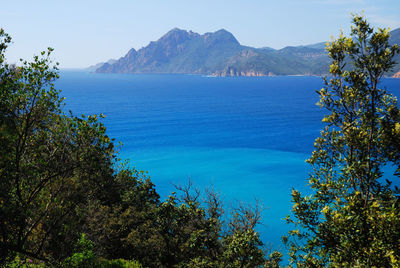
(220,54)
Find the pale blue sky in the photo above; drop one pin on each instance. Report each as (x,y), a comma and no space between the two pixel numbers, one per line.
(86,32)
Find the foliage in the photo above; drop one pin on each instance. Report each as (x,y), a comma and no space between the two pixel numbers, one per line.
(20,262)
(51,163)
(353,216)
(274,260)
(186,230)
(125,226)
(83,256)
(119,263)
(211,242)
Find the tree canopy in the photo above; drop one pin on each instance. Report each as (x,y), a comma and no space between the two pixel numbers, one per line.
(352,217)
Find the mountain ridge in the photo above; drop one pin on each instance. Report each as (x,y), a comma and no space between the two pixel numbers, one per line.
(219,53)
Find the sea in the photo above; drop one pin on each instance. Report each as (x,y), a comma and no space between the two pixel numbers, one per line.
(246,138)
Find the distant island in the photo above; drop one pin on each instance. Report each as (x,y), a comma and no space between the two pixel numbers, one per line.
(220,54)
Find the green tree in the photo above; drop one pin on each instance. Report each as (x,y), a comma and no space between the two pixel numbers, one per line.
(352,217)
(195,235)
(51,164)
(123,224)
(83,255)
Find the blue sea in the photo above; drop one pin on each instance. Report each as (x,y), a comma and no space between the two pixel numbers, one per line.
(246,137)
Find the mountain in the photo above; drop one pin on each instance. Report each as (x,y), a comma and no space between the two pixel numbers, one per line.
(395,39)
(179,51)
(220,54)
(266,49)
(395,36)
(320,45)
(93,68)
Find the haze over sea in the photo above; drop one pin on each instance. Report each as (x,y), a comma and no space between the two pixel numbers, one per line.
(248,137)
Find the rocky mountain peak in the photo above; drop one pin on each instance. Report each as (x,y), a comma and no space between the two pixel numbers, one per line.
(177,36)
(220,36)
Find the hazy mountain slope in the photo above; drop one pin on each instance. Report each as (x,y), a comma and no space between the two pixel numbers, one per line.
(395,39)
(93,68)
(179,51)
(219,53)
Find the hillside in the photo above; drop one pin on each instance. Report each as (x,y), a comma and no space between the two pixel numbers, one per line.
(93,68)
(220,54)
(395,39)
(179,51)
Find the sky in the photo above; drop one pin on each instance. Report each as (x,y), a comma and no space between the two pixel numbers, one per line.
(86,32)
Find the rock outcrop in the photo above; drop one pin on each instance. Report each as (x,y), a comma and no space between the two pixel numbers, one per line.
(232,72)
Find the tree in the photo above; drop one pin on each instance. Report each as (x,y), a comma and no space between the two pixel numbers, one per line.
(195,235)
(352,217)
(51,164)
(125,226)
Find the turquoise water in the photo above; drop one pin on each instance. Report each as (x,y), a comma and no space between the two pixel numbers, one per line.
(248,138)
(238,174)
